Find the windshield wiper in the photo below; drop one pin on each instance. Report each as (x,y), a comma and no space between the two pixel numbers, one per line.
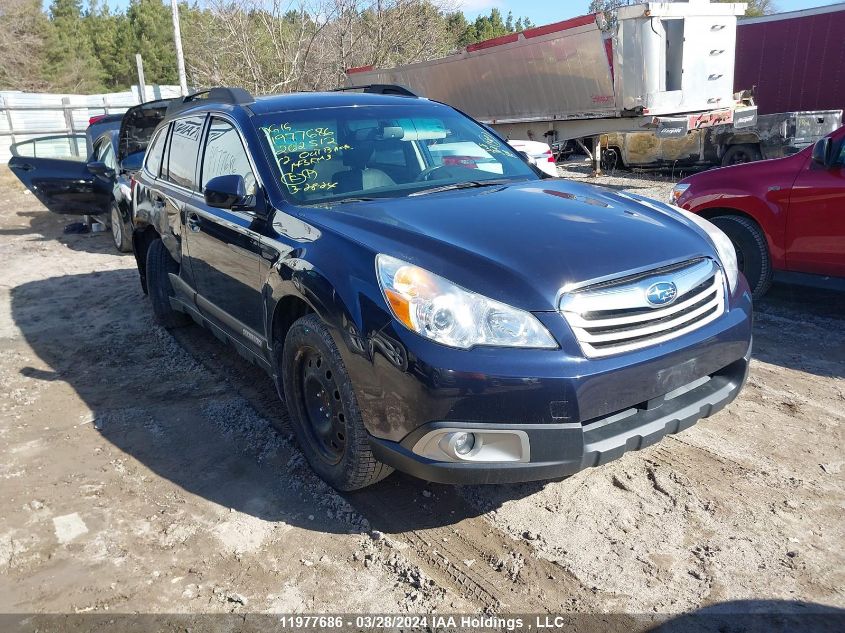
(345,200)
(470,184)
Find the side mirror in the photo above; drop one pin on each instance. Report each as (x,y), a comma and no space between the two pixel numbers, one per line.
(133,162)
(226,192)
(526,156)
(823,152)
(99,168)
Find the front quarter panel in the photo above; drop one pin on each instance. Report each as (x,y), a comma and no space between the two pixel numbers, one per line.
(759,190)
(336,278)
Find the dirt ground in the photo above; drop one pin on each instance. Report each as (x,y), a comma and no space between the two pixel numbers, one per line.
(143,472)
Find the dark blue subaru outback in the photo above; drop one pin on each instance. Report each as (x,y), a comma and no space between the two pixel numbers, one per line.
(423,297)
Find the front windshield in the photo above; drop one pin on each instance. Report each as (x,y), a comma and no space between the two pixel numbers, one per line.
(333,154)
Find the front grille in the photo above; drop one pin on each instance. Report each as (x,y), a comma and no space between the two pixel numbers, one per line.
(616,316)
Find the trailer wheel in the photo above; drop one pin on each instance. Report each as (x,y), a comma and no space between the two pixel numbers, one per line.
(752,251)
(611,159)
(739,154)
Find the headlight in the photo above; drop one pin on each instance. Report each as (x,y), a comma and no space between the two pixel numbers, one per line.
(677,191)
(439,310)
(724,247)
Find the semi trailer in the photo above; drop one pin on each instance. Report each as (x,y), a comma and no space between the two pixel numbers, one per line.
(664,67)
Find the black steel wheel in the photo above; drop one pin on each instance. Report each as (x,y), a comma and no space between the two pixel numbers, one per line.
(323,412)
(323,409)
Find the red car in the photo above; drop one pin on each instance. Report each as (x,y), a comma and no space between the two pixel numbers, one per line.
(783,215)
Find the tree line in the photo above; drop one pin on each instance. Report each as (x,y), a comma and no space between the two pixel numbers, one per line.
(265,46)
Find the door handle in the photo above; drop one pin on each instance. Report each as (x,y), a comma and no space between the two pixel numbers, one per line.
(194,223)
(23,167)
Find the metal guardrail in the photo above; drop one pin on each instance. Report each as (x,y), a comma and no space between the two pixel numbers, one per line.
(70,129)
(67,118)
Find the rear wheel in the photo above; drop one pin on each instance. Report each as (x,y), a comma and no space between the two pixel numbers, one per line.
(739,154)
(752,251)
(159,266)
(324,411)
(122,238)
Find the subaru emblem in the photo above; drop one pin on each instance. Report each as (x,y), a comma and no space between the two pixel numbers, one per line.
(662,293)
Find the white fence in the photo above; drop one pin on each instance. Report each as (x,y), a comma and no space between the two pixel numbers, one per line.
(62,118)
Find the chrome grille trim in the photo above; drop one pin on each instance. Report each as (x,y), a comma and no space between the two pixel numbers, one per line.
(616,317)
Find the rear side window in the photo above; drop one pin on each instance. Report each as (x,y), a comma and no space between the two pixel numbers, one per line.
(182,151)
(225,155)
(156,151)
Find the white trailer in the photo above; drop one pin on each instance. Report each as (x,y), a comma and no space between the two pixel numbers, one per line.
(666,66)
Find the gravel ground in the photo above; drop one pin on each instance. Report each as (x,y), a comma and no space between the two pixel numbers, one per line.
(657,185)
(145,471)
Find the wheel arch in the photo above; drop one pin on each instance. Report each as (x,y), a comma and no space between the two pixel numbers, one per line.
(715,212)
(770,219)
(286,312)
(745,138)
(293,293)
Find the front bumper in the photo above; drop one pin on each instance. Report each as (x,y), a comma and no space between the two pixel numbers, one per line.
(559,450)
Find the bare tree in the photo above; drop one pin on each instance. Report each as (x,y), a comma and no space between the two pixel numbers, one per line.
(274,46)
(22,32)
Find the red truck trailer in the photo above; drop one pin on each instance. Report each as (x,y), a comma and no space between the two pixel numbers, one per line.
(794,59)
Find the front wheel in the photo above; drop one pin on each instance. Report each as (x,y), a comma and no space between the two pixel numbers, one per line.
(752,251)
(323,409)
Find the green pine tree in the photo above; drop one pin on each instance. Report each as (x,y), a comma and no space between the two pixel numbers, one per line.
(70,62)
(151,28)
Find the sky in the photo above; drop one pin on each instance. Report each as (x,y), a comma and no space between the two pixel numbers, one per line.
(539,11)
(546,11)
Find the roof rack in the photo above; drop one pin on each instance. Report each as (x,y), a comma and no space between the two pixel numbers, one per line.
(380,89)
(234,96)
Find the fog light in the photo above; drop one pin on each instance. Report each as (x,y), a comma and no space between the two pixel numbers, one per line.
(458,444)
(490,445)
(464,443)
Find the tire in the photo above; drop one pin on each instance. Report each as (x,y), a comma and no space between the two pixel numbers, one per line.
(752,251)
(159,265)
(740,154)
(121,237)
(323,409)
(611,159)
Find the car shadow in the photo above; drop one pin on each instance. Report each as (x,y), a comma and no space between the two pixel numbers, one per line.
(801,327)
(195,413)
(752,616)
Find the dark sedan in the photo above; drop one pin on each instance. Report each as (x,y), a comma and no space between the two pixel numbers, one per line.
(102,185)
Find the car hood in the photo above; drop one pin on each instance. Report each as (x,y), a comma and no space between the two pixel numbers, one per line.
(522,243)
